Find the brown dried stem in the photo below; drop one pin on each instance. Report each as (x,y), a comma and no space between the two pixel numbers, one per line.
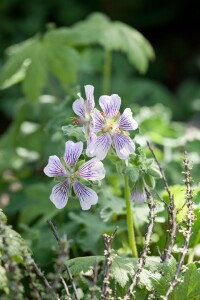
(142,259)
(186,231)
(56,235)
(106,291)
(171,210)
(66,288)
(95,278)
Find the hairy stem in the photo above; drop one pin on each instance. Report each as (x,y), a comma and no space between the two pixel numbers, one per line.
(129,214)
(107,71)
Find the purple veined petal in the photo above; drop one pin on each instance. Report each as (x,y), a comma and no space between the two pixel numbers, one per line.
(89,91)
(72,153)
(92,170)
(110,105)
(101,146)
(97,121)
(54,167)
(90,143)
(86,195)
(60,193)
(138,196)
(124,145)
(79,107)
(126,121)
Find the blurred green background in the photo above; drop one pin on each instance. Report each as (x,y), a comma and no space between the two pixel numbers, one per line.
(40,79)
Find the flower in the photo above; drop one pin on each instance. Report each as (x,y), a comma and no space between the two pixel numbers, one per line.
(90,170)
(84,108)
(113,129)
(138,194)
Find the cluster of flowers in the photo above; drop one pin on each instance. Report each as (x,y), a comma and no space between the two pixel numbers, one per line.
(103,130)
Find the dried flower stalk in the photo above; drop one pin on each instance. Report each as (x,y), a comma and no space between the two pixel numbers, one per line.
(106,291)
(142,259)
(171,211)
(56,235)
(187,231)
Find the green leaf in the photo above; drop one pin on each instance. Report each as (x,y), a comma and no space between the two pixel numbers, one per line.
(38,206)
(150,181)
(122,269)
(179,199)
(31,61)
(26,61)
(36,75)
(112,206)
(83,264)
(133,173)
(18,76)
(113,36)
(189,288)
(76,132)
(91,229)
(160,281)
(154,171)
(62,60)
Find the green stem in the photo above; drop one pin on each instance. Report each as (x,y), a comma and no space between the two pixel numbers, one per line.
(131,233)
(107,72)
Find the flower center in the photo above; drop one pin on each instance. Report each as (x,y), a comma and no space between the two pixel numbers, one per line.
(111,125)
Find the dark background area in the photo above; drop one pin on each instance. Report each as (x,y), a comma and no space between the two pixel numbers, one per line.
(171,27)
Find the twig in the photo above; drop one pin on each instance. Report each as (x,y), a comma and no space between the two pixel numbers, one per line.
(108,262)
(187,231)
(152,295)
(33,270)
(66,288)
(95,278)
(56,235)
(142,259)
(41,274)
(171,210)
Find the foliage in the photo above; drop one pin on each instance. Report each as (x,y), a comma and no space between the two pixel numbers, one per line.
(56,53)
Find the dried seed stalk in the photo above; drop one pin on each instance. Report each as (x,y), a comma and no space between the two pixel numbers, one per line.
(187,231)
(106,291)
(142,259)
(56,235)
(171,211)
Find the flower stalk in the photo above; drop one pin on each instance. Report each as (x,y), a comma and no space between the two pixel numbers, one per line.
(129,214)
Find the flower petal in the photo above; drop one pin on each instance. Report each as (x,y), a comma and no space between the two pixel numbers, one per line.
(90,143)
(97,121)
(72,153)
(54,167)
(126,121)
(138,196)
(79,107)
(60,193)
(110,105)
(92,170)
(86,195)
(101,146)
(89,91)
(124,145)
